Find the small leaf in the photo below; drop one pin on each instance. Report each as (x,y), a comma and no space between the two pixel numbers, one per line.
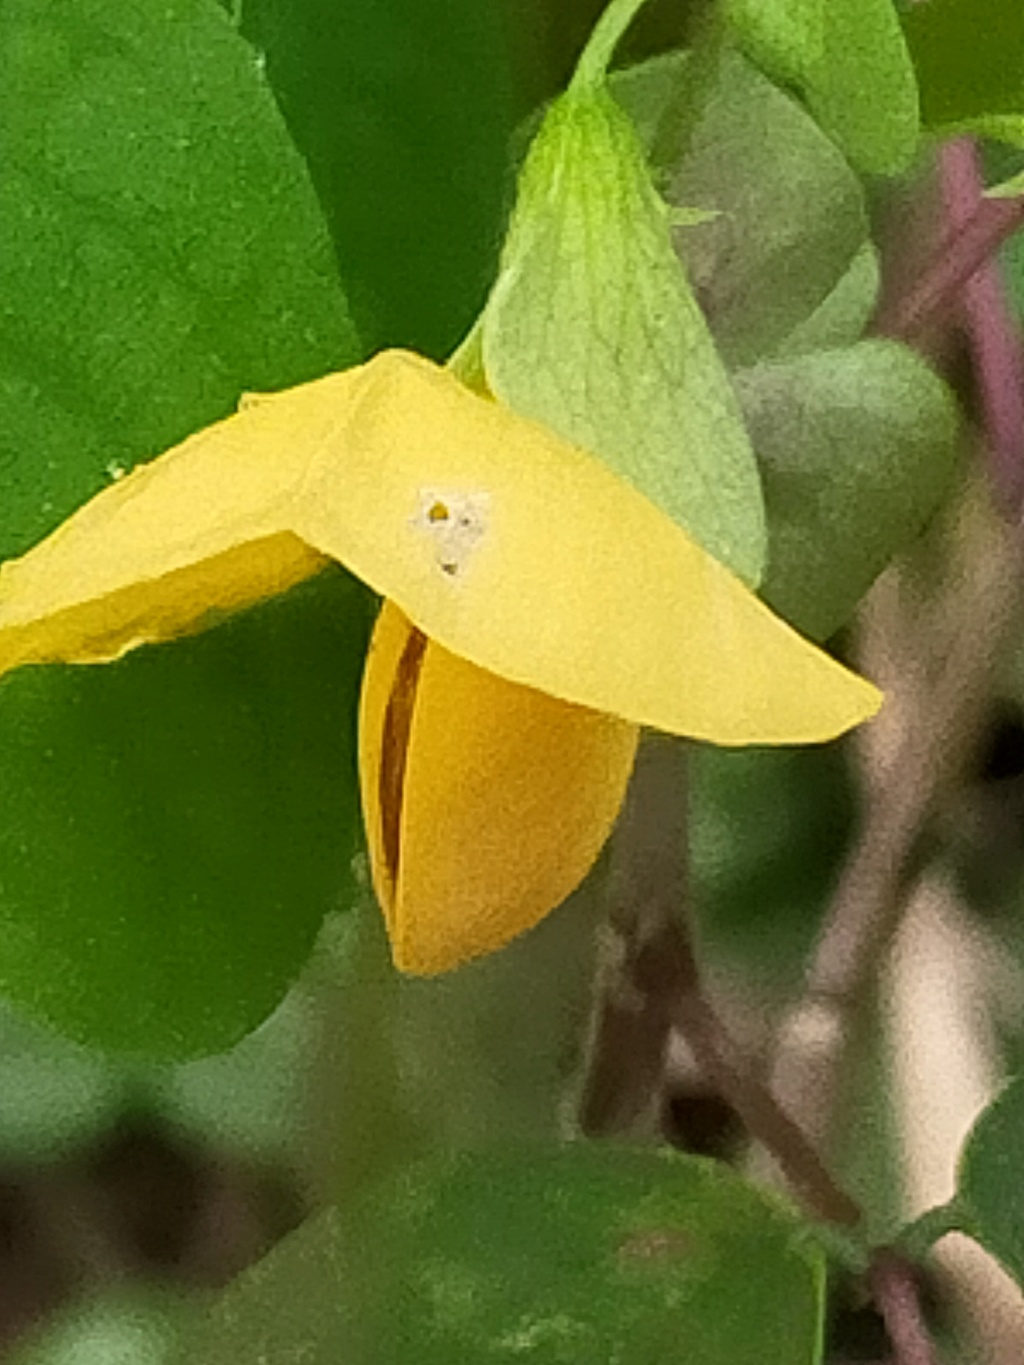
(791,214)
(583,1254)
(849,62)
(842,317)
(1012,188)
(858,449)
(592,328)
(990,1189)
(969,57)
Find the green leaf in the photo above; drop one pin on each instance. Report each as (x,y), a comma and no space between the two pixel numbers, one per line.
(162,251)
(857,448)
(1012,188)
(791,214)
(403,111)
(990,1189)
(969,57)
(192,817)
(172,827)
(785,37)
(579,1254)
(592,328)
(849,62)
(843,315)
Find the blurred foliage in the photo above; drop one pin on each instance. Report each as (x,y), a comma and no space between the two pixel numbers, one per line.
(858,448)
(768,828)
(849,61)
(790,212)
(581,1254)
(990,1193)
(133,1327)
(969,57)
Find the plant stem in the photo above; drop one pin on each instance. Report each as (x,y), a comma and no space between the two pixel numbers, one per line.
(649,887)
(596,57)
(918,1237)
(659,971)
(992,337)
(894,1288)
(938,290)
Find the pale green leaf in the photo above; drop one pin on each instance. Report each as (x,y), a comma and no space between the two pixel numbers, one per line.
(849,61)
(593,329)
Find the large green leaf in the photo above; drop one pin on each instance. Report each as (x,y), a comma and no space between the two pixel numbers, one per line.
(849,61)
(969,56)
(172,826)
(857,448)
(990,1190)
(790,213)
(403,111)
(582,1254)
(592,328)
(162,245)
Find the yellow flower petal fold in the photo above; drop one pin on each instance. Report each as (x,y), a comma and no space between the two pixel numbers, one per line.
(485,802)
(499,542)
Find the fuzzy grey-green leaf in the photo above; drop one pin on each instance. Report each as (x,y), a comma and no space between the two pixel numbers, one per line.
(791,213)
(857,448)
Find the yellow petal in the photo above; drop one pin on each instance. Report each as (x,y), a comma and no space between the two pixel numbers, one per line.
(485,802)
(531,559)
(205,528)
(511,548)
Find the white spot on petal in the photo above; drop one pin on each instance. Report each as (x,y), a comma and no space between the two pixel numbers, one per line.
(455,523)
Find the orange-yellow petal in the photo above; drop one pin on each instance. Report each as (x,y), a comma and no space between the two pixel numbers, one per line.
(509,547)
(485,802)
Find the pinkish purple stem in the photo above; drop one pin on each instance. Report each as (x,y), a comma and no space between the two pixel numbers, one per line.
(992,336)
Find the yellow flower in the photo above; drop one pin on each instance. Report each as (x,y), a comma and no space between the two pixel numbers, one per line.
(538,611)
